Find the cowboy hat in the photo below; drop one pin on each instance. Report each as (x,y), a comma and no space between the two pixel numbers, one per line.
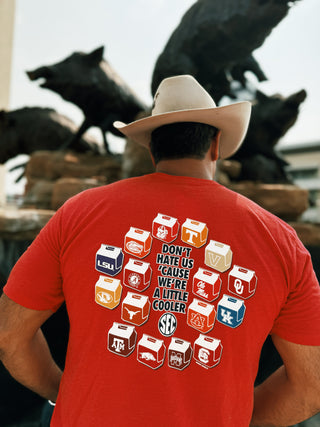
(183,99)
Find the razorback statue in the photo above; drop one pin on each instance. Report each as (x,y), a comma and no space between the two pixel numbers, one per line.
(90,82)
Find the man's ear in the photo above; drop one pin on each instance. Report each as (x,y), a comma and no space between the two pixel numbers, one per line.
(215,145)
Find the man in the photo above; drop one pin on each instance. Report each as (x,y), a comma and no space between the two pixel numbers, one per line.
(172,284)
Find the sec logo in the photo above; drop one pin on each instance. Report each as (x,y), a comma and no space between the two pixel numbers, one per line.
(167,324)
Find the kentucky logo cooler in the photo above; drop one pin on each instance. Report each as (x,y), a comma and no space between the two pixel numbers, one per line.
(230,311)
(201,316)
(194,233)
(121,339)
(165,228)
(109,260)
(137,242)
(135,308)
(108,292)
(179,354)
(242,282)
(151,351)
(207,351)
(206,284)
(218,256)
(137,274)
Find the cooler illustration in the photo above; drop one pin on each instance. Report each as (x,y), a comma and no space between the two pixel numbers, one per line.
(206,284)
(207,351)
(135,308)
(109,260)
(165,228)
(137,274)
(201,316)
(137,242)
(108,292)
(179,354)
(242,282)
(218,256)
(194,233)
(230,311)
(151,351)
(122,339)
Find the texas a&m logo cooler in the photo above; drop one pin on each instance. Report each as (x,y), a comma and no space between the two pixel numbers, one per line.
(151,351)
(108,292)
(194,233)
(242,282)
(137,242)
(207,351)
(206,284)
(135,308)
(109,260)
(121,339)
(179,354)
(165,228)
(201,315)
(137,274)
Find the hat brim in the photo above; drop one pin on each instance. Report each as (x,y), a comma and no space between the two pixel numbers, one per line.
(232,120)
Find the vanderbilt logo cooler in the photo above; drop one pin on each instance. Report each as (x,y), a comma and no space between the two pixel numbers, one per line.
(201,316)
(194,233)
(135,308)
(137,274)
(230,311)
(137,242)
(122,339)
(109,260)
(218,256)
(108,292)
(151,351)
(242,282)
(179,354)
(207,351)
(165,228)
(206,284)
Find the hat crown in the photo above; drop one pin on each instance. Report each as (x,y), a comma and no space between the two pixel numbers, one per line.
(180,93)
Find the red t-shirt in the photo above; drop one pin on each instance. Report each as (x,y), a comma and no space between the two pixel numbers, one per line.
(172,285)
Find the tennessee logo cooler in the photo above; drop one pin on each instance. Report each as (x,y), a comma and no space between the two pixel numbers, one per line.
(137,274)
(201,316)
(206,284)
(108,292)
(165,228)
(242,282)
(122,339)
(230,311)
(135,308)
(179,354)
(137,242)
(218,256)
(194,233)
(151,351)
(109,260)
(207,351)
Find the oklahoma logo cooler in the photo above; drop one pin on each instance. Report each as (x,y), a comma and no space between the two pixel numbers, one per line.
(135,308)
(109,260)
(165,228)
(242,282)
(137,274)
(137,242)
(151,351)
(122,339)
(194,233)
(206,284)
(108,292)
(179,354)
(230,311)
(207,351)
(201,316)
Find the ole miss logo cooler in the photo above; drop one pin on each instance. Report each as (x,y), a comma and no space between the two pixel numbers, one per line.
(206,284)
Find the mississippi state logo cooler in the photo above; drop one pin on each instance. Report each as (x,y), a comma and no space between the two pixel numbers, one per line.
(179,354)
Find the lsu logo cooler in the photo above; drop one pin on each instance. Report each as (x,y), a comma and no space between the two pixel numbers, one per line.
(137,242)
(194,233)
(165,228)
(109,260)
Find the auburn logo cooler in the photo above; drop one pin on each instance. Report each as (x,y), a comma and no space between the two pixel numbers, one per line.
(242,282)
(137,242)
(207,351)
(109,260)
(206,284)
(179,354)
(218,256)
(194,233)
(230,311)
(137,274)
(201,316)
(122,339)
(108,292)
(165,228)
(135,308)
(151,351)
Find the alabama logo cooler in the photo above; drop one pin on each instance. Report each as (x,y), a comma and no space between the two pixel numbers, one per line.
(137,274)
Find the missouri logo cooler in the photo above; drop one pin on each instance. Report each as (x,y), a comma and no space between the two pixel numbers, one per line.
(122,339)
(206,284)
(242,282)
(109,260)
(165,228)
(207,351)
(194,233)
(201,315)
(151,351)
(230,311)
(135,308)
(179,354)
(137,275)
(137,242)
(108,292)
(218,256)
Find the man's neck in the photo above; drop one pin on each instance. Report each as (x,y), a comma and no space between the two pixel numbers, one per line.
(194,168)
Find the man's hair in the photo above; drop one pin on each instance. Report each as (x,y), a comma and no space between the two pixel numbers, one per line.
(181,140)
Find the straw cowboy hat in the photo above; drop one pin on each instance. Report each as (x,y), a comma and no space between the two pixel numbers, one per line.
(183,99)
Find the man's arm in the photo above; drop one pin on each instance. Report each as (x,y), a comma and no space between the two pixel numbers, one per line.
(24,350)
(292,393)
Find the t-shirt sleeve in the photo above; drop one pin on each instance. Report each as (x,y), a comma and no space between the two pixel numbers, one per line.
(35,281)
(299,318)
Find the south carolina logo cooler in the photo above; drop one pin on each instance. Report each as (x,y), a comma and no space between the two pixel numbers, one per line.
(207,351)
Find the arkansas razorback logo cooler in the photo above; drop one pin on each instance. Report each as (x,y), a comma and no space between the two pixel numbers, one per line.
(151,351)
